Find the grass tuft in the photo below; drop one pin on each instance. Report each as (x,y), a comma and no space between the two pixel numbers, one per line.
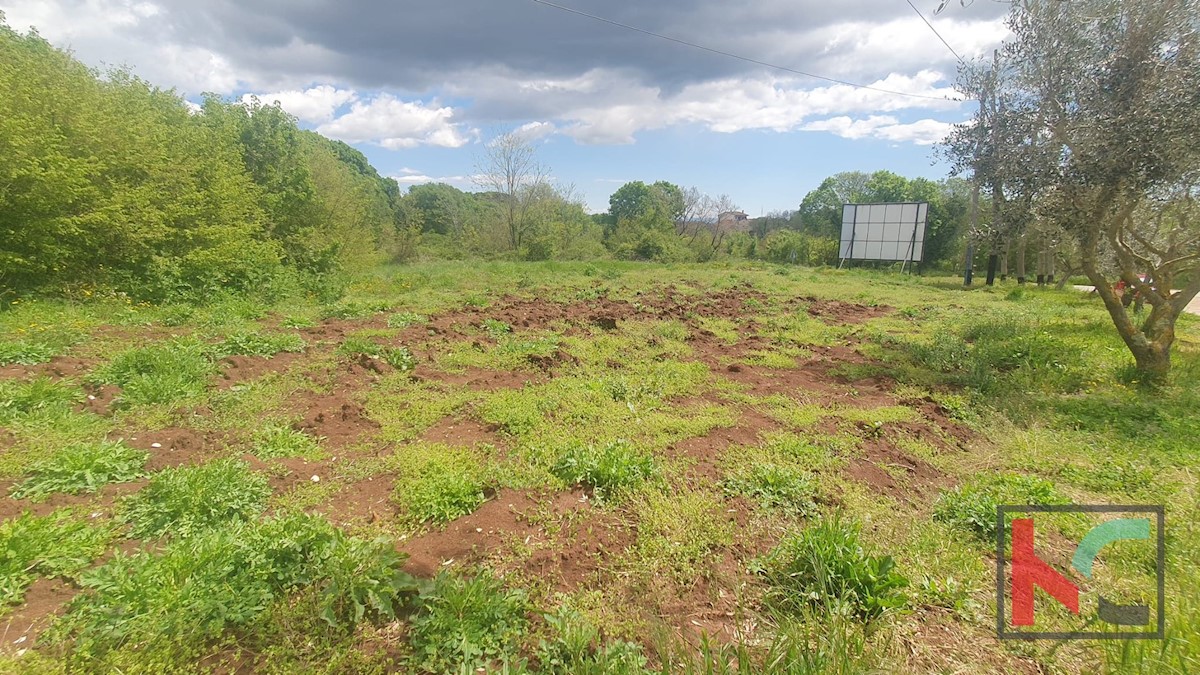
(609,471)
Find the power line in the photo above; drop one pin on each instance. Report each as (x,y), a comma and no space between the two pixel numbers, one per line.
(737,56)
(935,31)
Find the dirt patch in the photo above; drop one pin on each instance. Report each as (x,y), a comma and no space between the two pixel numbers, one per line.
(237,369)
(478,379)
(472,537)
(462,431)
(45,599)
(57,368)
(843,313)
(174,446)
(362,502)
(99,399)
(707,451)
(891,471)
(102,501)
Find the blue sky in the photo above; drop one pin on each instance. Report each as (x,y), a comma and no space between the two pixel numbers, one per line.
(420,87)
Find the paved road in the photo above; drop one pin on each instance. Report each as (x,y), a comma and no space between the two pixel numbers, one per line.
(1193,306)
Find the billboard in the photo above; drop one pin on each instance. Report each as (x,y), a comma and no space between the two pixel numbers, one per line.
(893,232)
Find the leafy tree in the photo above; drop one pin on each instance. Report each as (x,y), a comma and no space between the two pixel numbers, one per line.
(1108,95)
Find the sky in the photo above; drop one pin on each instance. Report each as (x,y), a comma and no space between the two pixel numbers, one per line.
(421,87)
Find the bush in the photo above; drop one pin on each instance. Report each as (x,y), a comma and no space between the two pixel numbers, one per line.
(201,586)
(826,568)
(82,467)
(608,471)
(467,622)
(187,500)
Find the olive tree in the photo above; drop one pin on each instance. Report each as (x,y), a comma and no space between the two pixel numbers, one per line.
(1101,100)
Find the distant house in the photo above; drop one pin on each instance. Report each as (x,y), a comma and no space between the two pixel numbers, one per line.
(733,220)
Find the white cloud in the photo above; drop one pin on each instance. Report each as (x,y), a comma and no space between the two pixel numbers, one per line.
(886,127)
(532,131)
(394,124)
(413,177)
(315,104)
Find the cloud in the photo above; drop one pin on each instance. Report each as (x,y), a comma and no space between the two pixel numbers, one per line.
(394,124)
(886,127)
(315,104)
(412,177)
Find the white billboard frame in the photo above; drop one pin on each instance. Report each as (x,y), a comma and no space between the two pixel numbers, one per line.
(884,231)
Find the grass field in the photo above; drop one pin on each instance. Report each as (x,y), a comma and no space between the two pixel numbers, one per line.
(577,468)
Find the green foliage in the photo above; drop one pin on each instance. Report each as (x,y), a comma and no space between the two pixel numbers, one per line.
(775,486)
(57,545)
(278,440)
(495,329)
(41,394)
(184,501)
(575,647)
(405,319)
(160,374)
(82,467)
(397,357)
(797,248)
(825,567)
(610,470)
(197,588)
(972,506)
(680,534)
(467,622)
(254,343)
(438,483)
(354,310)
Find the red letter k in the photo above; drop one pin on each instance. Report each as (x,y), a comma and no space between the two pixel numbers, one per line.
(1028,569)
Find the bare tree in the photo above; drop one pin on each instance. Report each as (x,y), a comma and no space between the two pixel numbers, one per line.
(509,166)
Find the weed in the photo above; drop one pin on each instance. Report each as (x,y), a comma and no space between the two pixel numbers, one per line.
(405,319)
(467,622)
(160,374)
(680,533)
(56,545)
(397,357)
(297,322)
(198,587)
(615,468)
(20,399)
(254,343)
(775,486)
(354,310)
(277,440)
(186,500)
(972,506)
(826,568)
(82,467)
(576,649)
(438,483)
(494,328)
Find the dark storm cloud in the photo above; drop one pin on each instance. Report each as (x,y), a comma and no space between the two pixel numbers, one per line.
(417,46)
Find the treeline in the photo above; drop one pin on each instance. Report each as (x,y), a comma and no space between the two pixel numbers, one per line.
(108,183)
(663,222)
